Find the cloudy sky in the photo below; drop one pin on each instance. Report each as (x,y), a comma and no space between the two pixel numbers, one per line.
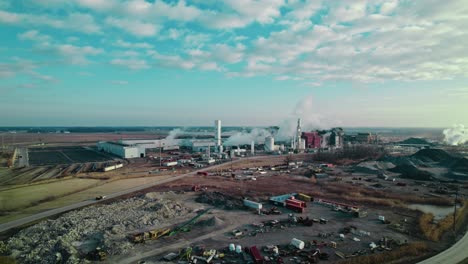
(247,62)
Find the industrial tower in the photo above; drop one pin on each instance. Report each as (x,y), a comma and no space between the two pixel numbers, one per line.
(298,135)
(219,145)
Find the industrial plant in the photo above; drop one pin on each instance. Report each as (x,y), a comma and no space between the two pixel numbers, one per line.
(231,195)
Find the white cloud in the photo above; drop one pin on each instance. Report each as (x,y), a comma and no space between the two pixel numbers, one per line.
(133,45)
(7,17)
(135,27)
(74,21)
(263,11)
(131,63)
(99,5)
(180,11)
(228,54)
(75,54)
(34,35)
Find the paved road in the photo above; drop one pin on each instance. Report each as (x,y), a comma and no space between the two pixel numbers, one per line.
(453,255)
(32,218)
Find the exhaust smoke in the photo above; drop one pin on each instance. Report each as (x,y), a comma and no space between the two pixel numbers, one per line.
(456,135)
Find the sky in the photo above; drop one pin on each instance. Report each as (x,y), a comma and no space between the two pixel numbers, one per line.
(246,62)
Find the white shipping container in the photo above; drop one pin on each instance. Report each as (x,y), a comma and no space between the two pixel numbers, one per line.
(253,204)
(170,164)
(298,243)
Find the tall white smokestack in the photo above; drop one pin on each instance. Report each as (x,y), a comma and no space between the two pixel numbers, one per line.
(218,135)
(252,148)
(298,134)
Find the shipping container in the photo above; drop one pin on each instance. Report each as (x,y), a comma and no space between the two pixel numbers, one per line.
(304,197)
(296,202)
(258,259)
(170,164)
(279,200)
(295,208)
(252,204)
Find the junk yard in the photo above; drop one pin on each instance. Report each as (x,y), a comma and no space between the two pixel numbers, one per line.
(362,202)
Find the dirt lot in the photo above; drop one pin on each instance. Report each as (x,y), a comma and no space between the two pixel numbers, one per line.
(72,138)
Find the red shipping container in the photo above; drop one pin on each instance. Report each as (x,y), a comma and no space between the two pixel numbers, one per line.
(296,202)
(258,259)
(296,208)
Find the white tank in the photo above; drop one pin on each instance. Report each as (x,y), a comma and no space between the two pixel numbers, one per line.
(269,144)
(303,144)
(232,247)
(238,249)
(298,243)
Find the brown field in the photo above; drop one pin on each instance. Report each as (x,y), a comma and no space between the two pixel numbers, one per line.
(72,138)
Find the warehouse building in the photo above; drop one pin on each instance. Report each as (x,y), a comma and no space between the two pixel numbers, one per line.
(202,145)
(122,150)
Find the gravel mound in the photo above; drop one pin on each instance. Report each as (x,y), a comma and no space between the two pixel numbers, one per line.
(212,222)
(220,200)
(71,237)
(412,172)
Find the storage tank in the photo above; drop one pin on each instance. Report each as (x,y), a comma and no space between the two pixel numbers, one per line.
(232,247)
(269,144)
(297,243)
(303,144)
(238,249)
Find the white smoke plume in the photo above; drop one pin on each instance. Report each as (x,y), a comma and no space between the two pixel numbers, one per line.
(171,140)
(456,135)
(243,138)
(311,120)
(304,109)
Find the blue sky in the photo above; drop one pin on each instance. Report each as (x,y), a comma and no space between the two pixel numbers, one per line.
(247,62)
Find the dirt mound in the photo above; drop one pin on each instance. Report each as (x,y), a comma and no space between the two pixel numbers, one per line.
(460,165)
(412,172)
(373,167)
(416,141)
(220,200)
(432,155)
(213,221)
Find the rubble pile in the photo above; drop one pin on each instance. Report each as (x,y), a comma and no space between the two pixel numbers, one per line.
(75,235)
(220,200)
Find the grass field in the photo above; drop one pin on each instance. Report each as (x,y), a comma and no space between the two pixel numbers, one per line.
(90,193)
(27,196)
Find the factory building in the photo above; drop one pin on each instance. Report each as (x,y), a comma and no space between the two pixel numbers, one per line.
(202,145)
(121,150)
(154,143)
(337,137)
(312,139)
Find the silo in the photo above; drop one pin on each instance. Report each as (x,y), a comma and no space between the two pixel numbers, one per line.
(269,144)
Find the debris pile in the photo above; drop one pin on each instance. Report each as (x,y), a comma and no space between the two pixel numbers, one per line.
(77,235)
(220,200)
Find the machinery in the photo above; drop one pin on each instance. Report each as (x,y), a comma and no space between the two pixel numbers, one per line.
(150,235)
(186,227)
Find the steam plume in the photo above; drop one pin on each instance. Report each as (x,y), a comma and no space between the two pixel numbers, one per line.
(242,138)
(456,135)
